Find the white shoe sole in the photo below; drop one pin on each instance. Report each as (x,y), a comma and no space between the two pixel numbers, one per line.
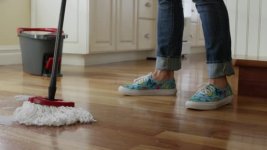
(161,92)
(208,105)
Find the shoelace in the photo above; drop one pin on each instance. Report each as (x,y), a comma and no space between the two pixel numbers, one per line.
(206,89)
(142,78)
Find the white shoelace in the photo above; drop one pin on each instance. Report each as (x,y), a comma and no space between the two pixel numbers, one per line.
(205,89)
(142,78)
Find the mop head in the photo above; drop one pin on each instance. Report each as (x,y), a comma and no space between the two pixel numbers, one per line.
(40,115)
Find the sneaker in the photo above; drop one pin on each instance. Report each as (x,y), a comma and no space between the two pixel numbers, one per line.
(146,85)
(210,97)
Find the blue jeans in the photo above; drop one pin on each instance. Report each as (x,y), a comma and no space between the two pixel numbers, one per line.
(215,23)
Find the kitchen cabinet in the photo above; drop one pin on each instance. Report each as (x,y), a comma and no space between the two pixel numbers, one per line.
(101,26)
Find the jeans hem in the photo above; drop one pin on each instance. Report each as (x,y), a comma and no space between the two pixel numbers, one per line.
(216,70)
(165,63)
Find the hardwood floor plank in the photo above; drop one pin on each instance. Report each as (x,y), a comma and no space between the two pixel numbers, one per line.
(246,143)
(147,147)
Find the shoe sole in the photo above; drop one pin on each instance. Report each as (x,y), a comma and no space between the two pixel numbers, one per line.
(161,92)
(208,105)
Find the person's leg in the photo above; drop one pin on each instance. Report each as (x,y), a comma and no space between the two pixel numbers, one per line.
(170,34)
(215,22)
(169,47)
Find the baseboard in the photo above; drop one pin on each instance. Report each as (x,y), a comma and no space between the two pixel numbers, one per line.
(10,55)
(251,77)
(104,58)
(197,49)
(73,59)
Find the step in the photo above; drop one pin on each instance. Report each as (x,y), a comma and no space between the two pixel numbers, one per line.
(250,77)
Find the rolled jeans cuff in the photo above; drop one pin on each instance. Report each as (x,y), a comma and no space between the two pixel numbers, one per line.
(216,70)
(164,63)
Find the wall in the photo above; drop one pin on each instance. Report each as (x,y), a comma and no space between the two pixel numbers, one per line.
(248,19)
(13,14)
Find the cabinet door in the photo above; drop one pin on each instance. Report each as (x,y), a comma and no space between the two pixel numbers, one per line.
(147,9)
(146,34)
(102,25)
(44,14)
(126,25)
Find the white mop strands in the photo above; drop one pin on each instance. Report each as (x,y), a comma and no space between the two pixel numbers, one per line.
(40,115)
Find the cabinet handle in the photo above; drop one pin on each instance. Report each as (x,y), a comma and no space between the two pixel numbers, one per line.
(147,36)
(148,4)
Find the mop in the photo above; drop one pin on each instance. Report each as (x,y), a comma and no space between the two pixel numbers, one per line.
(42,111)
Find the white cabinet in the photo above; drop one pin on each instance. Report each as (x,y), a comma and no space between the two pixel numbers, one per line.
(45,14)
(100,26)
(126,25)
(146,34)
(147,24)
(123,25)
(147,9)
(113,25)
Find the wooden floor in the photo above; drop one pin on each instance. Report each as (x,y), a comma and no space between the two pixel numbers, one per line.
(131,123)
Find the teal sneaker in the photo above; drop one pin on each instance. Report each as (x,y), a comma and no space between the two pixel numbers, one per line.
(146,85)
(210,97)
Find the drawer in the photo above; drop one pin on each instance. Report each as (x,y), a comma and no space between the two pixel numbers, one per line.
(147,9)
(146,34)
